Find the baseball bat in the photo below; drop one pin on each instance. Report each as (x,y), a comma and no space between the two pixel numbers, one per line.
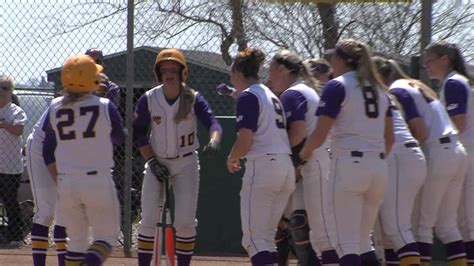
(169,230)
(157,247)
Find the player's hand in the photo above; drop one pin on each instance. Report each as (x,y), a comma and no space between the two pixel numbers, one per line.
(211,149)
(298,175)
(159,170)
(304,154)
(233,165)
(224,89)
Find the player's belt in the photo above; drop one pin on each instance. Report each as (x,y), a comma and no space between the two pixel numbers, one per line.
(361,154)
(180,156)
(445,140)
(411,145)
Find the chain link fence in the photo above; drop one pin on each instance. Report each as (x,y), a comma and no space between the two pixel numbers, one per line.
(37,36)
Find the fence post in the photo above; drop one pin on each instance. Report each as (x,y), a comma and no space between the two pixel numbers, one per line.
(127,232)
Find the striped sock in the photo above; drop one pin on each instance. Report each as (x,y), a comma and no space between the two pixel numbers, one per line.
(469,246)
(409,255)
(145,249)
(456,253)
(39,244)
(59,235)
(425,252)
(97,253)
(74,258)
(391,258)
(185,249)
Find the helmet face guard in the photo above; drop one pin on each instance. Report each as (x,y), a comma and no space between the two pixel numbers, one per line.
(175,55)
(80,74)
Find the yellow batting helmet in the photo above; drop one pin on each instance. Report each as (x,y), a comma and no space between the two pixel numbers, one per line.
(80,74)
(171,54)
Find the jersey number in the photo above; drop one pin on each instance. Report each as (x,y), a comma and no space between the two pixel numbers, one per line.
(64,134)
(189,138)
(370,102)
(280,121)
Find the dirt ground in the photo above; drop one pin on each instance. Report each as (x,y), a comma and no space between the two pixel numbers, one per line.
(21,256)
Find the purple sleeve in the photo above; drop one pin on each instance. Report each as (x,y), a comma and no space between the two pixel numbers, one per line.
(295,105)
(49,143)
(205,114)
(248,111)
(141,122)
(456,97)
(118,134)
(407,103)
(334,94)
(112,91)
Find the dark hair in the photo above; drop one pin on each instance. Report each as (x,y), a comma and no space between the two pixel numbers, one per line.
(294,63)
(454,54)
(248,62)
(320,65)
(357,55)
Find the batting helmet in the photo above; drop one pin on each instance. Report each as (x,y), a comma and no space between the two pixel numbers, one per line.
(80,74)
(171,54)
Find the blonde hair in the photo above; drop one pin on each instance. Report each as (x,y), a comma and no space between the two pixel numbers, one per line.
(294,63)
(454,54)
(186,102)
(72,97)
(391,71)
(7,82)
(357,55)
(248,62)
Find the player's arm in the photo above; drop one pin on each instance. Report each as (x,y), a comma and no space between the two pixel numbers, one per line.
(295,106)
(207,117)
(141,125)
(49,147)
(247,123)
(16,127)
(331,102)
(412,116)
(118,133)
(389,137)
(456,103)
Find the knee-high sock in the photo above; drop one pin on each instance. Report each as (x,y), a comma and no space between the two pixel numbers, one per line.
(391,258)
(39,244)
(145,249)
(350,260)
(97,253)
(74,258)
(409,255)
(456,253)
(369,259)
(59,235)
(262,258)
(425,252)
(185,249)
(469,246)
(329,257)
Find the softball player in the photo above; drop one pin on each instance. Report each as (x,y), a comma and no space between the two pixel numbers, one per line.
(44,189)
(89,126)
(262,142)
(407,173)
(300,100)
(171,110)
(444,62)
(357,109)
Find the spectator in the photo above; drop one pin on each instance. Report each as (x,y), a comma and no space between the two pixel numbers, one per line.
(107,88)
(12,121)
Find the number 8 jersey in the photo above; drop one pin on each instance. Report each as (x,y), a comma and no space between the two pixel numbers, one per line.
(360,113)
(80,136)
(259,110)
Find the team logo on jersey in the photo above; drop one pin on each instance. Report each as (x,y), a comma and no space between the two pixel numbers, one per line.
(239,118)
(156,119)
(452,106)
(322,104)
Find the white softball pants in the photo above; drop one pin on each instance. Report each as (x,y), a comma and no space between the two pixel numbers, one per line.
(267,184)
(185,181)
(466,207)
(89,201)
(441,193)
(357,185)
(43,186)
(407,173)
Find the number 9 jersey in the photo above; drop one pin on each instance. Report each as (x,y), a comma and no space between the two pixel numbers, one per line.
(80,136)
(268,123)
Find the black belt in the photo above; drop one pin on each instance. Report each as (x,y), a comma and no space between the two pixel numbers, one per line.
(91,173)
(180,156)
(445,140)
(361,154)
(411,145)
